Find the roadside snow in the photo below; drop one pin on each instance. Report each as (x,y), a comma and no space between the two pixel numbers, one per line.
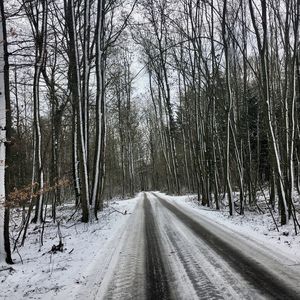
(92,250)
(48,275)
(256,227)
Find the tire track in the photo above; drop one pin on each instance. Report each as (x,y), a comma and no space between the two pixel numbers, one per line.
(206,273)
(157,286)
(253,272)
(202,284)
(128,281)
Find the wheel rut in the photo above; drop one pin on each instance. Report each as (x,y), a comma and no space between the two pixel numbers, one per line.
(128,278)
(157,286)
(253,272)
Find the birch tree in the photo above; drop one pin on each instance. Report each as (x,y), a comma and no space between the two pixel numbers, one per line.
(80,153)
(5,127)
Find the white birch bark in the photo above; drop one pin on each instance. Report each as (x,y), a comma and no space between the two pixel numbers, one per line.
(293,104)
(2,148)
(86,72)
(229,108)
(76,161)
(81,125)
(100,101)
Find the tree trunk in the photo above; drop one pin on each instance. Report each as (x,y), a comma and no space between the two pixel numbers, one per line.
(98,176)
(5,136)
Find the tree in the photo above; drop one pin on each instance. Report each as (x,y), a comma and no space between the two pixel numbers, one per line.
(5,127)
(37,14)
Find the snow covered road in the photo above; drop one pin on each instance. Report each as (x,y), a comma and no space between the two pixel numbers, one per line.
(169,252)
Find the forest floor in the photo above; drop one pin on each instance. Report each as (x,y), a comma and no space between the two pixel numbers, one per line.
(157,247)
(40,273)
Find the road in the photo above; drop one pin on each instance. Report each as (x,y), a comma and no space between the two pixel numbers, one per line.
(167,253)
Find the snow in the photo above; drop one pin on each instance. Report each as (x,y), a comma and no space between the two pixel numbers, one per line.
(61,275)
(125,277)
(256,227)
(107,257)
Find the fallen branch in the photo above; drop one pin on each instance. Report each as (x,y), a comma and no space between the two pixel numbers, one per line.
(68,227)
(76,210)
(10,269)
(120,212)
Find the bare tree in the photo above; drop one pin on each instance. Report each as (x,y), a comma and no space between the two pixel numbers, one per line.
(5,139)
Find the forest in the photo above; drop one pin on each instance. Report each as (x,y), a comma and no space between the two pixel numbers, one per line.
(106,98)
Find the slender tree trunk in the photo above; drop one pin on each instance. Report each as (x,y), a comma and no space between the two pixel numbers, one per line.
(228,109)
(74,83)
(5,137)
(98,178)
(263,51)
(41,44)
(85,79)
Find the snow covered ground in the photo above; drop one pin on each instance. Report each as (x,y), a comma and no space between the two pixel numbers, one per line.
(109,259)
(48,275)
